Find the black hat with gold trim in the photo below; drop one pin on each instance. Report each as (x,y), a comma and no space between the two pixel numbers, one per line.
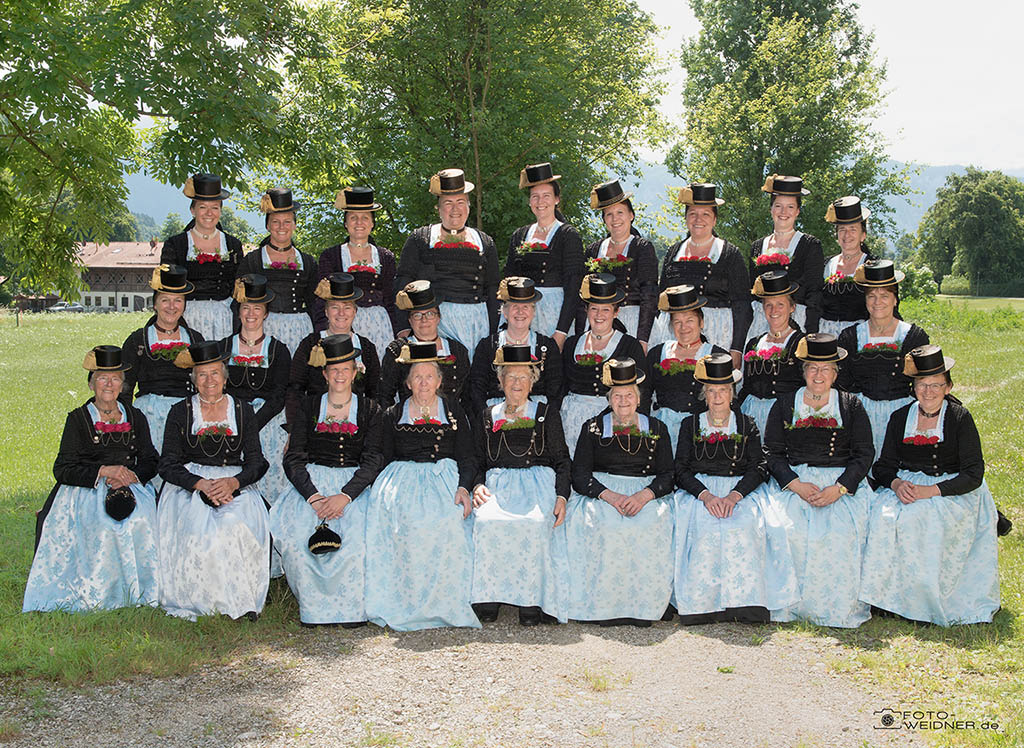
(204,187)
(251,288)
(202,352)
(518,290)
(716,368)
(105,358)
(780,185)
(773,283)
(700,193)
(819,346)
(606,194)
(515,355)
(417,295)
(450,182)
(847,210)
(171,279)
(338,287)
(601,288)
(926,361)
(332,349)
(877,274)
(356,198)
(618,372)
(324,540)
(278,200)
(535,174)
(415,352)
(681,298)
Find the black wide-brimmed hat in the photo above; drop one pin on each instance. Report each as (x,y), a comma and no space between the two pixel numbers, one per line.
(417,295)
(356,198)
(773,283)
(618,372)
(203,352)
(415,352)
(925,361)
(515,355)
(251,288)
(606,194)
(171,279)
(450,182)
(819,346)
(535,174)
(601,288)
(847,210)
(338,287)
(780,185)
(105,358)
(333,349)
(716,368)
(518,290)
(119,503)
(204,187)
(324,540)
(278,200)
(700,193)
(877,274)
(681,298)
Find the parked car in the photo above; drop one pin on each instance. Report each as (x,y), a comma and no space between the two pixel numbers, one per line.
(66,306)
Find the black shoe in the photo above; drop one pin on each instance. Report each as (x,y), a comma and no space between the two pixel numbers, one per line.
(640,623)
(252,615)
(487,612)
(1003,524)
(353,624)
(670,613)
(530,616)
(697,619)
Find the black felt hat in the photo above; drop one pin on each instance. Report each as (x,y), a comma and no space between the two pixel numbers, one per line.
(515,355)
(779,185)
(700,193)
(773,283)
(607,194)
(338,287)
(450,182)
(105,358)
(618,372)
(518,290)
(171,279)
(716,369)
(925,361)
(847,210)
(251,288)
(119,503)
(416,296)
(415,352)
(819,346)
(333,349)
(204,187)
(356,198)
(324,540)
(535,174)
(202,352)
(601,288)
(877,274)
(681,298)
(278,200)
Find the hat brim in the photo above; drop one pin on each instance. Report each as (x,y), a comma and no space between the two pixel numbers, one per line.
(804,192)
(549,180)
(793,288)
(537,296)
(188,288)
(295,206)
(120,367)
(640,377)
(224,356)
(618,298)
(265,299)
(224,195)
(350,356)
(466,189)
(435,304)
(401,360)
(601,205)
(734,378)
(840,355)
(947,364)
(865,214)
(358,208)
(700,301)
(357,294)
(898,277)
(531,362)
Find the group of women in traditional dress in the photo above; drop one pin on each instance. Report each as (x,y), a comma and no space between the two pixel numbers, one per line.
(415,444)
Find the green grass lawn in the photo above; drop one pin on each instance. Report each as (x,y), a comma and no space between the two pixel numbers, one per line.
(984,303)
(974,672)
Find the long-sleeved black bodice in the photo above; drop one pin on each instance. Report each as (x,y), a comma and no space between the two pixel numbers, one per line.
(430,442)
(152,374)
(213,280)
(584,379)
(743,457)
(877,373)
(305,380)
(378,288)
(294,289)
(560,265)
(768,378)
(269,383)
(622,455)
(454,373)
(806,268)
(639,279)
(483,380)
(678,391)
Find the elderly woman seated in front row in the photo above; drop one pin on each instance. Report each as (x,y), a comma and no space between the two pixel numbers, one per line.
(96,534)
(214,542)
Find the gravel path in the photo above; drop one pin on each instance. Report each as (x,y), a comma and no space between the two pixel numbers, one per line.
(505,686)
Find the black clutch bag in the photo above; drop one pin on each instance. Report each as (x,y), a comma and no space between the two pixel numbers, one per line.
(119,503)
(324,540)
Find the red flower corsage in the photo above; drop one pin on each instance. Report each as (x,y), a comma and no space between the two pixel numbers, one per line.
(920,440)
(589,359)
(670,366)
(167,351)
(336,427)
(112,428)
(247,360)
(204,257)
(775,258)
(219,430)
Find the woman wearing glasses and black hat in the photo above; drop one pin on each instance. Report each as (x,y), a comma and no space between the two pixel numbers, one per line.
(931,550)
(96,539)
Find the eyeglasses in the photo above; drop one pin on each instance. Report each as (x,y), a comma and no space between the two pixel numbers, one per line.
(420,316)
(933,387)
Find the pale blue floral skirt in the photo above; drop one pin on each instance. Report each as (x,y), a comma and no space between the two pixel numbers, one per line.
(758,408)
(519,558)
(419,563)
(576,410)
(760,325)
(466,323)
(330,586)
(373,322)
(155,408)
(87,560)
(545,321)
(739,561)
(827,545)
(213,560)
(717,327)
(934,559)
(288,327)
(211,318)
(879,412)
(619,567)
(672,419)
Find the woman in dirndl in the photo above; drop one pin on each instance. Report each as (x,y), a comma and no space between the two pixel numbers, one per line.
(931,552)
(818,441)
(209,256)
(628,256)
(715,268)
(214,542)
(419,564)
(459,261)
(96,540)
(786,248)
(842,304)
(150,351)
(549,252)
(770,367)
(878,346)
(291,274)
(671,392)
(732,559)
(584,391)
(519,302)
(619,525)
(258,366)
(318,527)
(522,484)
(372,267)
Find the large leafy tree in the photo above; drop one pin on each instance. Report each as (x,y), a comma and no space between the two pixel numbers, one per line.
(786,87)
(417,86)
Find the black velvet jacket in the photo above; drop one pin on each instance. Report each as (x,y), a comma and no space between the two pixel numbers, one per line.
(154,375)
(361,450)
(677,391)
(430,443)
(213,280)
(745,457)
(725,283)
(586,380)
(843,302)
(293,289)
(483,380)
(182,447)
(378,288)
(560,265)
(768,379)
(305,380)
(877,374)
(958,453)
(806,268)
(849,447)
(622,455)
(463,276)
(639,279)
(251,382)
(454,375)
(543,445)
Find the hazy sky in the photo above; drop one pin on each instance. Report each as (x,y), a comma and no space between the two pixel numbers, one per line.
(954,75)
